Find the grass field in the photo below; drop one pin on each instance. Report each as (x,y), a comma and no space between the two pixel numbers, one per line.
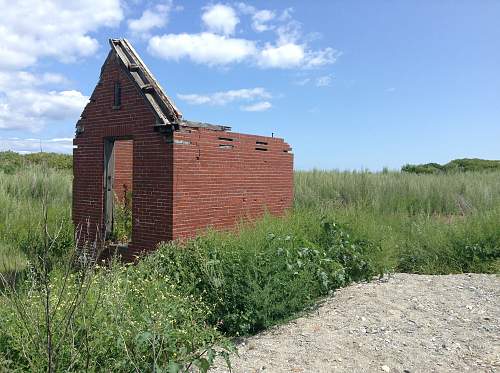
(177,307)
(21,209)
(408,215)
(431,223)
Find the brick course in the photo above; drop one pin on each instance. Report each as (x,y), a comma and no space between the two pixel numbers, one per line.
(183,182)
(124,158)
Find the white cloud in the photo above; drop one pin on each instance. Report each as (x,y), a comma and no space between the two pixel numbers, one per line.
(324,81)
(212,49)
(205,48)
(30,29)
(57,145)
(283,56)
(290,32)
(25,105)
(31,109)
(286,14)
(260,20)
(225,97)
(22,79)
(151,18)
(217,47)
(258,106)
(321,57)
(245,8)
(220,19)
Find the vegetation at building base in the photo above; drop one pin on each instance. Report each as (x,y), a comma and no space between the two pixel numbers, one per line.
(122,219)
(178,306)
(268,271)
(114,318)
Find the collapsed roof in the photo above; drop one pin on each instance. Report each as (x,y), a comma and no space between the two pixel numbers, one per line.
(167,114)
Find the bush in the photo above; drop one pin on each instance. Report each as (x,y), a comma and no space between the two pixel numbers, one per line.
(464,245)
(266,273)
(456,165)
(118,319)
(167,311)
(11,162)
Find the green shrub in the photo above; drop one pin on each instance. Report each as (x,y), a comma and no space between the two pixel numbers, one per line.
(266,273)
(122,217)
(11,162)
(456,165)
(471,244)
(428,168)
(118,319)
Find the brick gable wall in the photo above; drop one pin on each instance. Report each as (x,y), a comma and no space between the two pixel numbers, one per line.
(152,162)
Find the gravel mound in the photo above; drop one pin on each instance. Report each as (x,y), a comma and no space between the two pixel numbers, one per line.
(405,323)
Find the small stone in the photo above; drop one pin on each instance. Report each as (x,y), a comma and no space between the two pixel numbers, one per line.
(385,368)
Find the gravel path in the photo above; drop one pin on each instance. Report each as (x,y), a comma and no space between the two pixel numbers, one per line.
(408,323)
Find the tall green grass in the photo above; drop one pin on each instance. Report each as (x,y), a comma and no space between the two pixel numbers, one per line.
(445,223)
(394,192)
(404,213)
(22,195)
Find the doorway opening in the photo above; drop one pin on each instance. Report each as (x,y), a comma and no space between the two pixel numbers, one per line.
(118,193)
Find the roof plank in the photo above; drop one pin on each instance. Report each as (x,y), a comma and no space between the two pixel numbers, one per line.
(164,108)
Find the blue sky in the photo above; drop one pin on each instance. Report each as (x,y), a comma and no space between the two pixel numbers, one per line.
(349,84)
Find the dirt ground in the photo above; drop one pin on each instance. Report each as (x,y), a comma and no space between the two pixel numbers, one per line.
(405,323)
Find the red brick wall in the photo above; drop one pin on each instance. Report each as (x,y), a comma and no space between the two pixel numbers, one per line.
(122,182)
(218,182)
(182,184)
(152,170)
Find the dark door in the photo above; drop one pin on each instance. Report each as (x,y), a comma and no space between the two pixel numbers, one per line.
(109,166)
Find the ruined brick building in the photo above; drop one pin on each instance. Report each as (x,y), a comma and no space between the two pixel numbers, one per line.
(183,176)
